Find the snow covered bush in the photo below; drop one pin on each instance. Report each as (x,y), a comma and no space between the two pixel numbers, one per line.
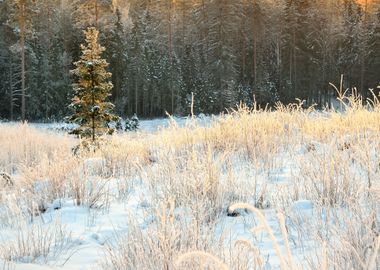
(132,124)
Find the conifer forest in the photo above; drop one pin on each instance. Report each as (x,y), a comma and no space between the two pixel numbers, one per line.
(164,53)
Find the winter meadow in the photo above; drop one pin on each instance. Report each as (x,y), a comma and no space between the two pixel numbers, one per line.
(189,134)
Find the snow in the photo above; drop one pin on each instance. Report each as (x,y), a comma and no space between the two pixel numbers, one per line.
(302,205)
(90,229)
(145,125)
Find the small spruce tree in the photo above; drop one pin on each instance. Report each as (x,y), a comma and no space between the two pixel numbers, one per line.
(92,112)
(132,124)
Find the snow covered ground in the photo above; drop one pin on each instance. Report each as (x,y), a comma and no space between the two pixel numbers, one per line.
(145,125)
(151,196)
(90,229)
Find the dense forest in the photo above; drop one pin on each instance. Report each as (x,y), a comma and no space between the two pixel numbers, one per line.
(163,51)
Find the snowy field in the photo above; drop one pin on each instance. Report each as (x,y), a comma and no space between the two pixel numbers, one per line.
(146,126)
(289,189)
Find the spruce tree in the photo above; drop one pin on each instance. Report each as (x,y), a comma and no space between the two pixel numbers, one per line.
(22,11)
(91,110)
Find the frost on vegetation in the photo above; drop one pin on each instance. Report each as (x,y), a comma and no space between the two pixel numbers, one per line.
(162,200)
(37,242)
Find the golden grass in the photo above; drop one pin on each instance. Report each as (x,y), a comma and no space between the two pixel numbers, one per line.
(331,158)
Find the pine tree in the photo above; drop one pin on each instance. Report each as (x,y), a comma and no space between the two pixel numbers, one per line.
(22,11)
(374,78)
(91,110)
(116,55)
(97,13)
(219,51)
(132,124)
(223,20)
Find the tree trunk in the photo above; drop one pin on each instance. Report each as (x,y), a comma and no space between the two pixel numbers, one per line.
(96,15)
(93,104)
(295,64)
(254,45)
(171,56)
(279,63)
(11,88)
(22,41)
(23,107)
(136,96)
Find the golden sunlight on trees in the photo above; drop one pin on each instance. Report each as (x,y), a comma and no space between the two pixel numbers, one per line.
(163,52)
(365,3)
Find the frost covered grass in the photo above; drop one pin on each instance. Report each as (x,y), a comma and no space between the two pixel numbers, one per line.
(290,188)
(38,242)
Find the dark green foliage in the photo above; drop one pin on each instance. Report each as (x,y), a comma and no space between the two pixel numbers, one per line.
(161,52)
(119,125)
(92,112)
(132,124)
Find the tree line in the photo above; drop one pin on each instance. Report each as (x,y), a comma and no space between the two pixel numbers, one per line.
(163,52)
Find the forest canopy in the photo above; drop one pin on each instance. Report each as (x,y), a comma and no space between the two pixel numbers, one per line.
(161,52)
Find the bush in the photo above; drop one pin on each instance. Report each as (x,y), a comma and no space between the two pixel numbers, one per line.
(132,124)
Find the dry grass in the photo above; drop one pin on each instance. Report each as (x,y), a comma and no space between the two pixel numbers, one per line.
(37,243)
(192,174)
